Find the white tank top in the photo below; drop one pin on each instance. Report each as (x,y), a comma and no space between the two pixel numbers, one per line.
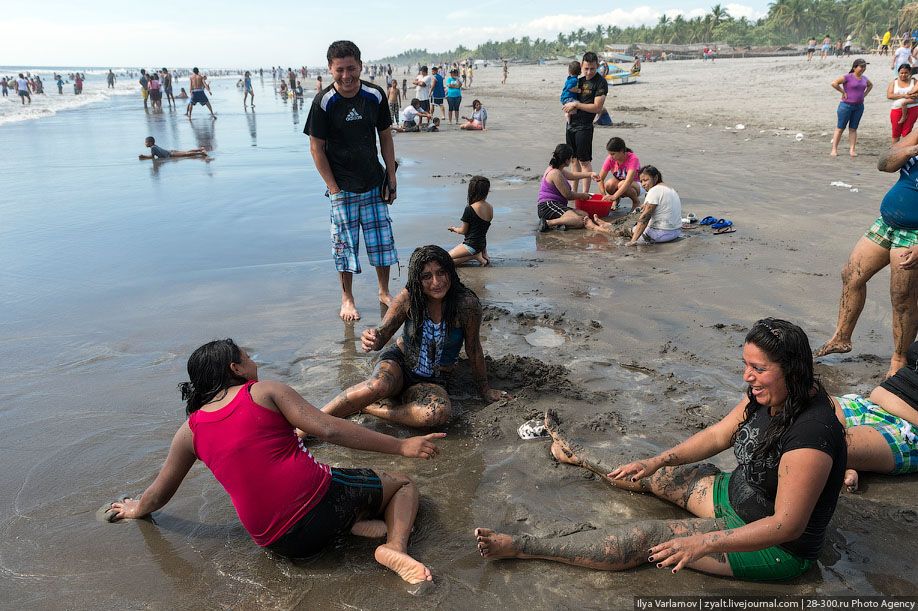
(900,90)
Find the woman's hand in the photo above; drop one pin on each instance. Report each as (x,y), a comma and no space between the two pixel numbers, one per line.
(421,446)
(127,509)
(679,552)
(608,198)
(909,258)
(369,339)
(637,470)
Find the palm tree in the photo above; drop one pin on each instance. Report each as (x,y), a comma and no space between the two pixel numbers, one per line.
(718,14)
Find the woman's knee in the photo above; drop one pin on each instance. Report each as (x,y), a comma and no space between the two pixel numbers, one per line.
(385,381)
(438,411)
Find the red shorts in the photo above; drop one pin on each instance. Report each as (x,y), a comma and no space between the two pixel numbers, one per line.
(895,115)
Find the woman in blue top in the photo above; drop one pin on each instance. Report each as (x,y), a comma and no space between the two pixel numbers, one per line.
(437,314)
(453,95)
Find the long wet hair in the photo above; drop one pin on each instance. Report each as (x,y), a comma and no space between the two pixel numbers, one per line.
(561,155)
(209,373)
(617,145)
(787,345)
(653,173)
(479,186)
(417,301)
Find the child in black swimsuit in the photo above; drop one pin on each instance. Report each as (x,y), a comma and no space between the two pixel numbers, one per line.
(476,220)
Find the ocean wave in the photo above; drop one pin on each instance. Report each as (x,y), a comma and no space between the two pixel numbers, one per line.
(45,105)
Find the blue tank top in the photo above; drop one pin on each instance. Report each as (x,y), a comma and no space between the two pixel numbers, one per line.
(899,208)
(438,346)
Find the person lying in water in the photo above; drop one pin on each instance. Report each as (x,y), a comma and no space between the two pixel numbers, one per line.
(437,314)
(243,429)
(660,217)
(764,521)
(882,430)
(157,152)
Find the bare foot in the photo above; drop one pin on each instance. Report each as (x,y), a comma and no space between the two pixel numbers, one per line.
(562,453)
(371,529)
(852,153)
(833,346)
(895,364)
(385,298)
(483,260)
(404,565)
(494,545)
(850,480)
(349,311)
(834,153)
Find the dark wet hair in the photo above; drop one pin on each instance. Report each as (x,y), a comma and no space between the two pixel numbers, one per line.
(476,102)
(423,68)
(563,152)
(210,373)
(195,69)
(653,172)
(573,68)
(787,345)
(478,189)
(417,301)
(341,49)
(617,145)
(415,102)
(150,139)
(590,58)
(906,66)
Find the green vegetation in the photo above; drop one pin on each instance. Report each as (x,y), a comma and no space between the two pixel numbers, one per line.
(788,22)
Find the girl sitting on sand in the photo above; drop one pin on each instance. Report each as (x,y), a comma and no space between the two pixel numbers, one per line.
(479,118)
(476,220)
(764,521)
(555,192)
(661,213)
(623,165)
(244,431)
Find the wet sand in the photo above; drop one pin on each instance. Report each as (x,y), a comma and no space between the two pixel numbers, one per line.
(115,271)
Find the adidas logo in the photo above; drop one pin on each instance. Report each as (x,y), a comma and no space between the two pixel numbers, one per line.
(353,115)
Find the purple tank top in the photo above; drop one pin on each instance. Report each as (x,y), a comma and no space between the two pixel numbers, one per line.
(855,88)
(549,192)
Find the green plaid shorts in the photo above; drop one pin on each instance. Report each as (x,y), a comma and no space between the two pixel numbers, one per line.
(901,436)
(888,237)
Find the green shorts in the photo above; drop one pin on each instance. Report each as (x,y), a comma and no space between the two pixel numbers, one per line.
(888,237)
(901,436)
(770,564)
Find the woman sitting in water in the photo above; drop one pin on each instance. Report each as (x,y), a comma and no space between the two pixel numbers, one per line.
(437,314)
(661,213)
(555,192)
(623,165)
(752,523)
(244,431)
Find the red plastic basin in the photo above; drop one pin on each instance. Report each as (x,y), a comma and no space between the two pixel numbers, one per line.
(594,205)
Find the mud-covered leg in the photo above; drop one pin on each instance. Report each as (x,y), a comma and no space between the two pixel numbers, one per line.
(386,381)
(617,549)
(424,405)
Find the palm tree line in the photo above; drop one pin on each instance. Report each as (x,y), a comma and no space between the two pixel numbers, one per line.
(788,22)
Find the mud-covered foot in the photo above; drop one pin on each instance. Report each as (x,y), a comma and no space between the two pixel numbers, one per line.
(371,529)
(850,480)
(385,298)
(833,346)
(895,364)
(494,545)
(349,311)
(561,450)
(402,564)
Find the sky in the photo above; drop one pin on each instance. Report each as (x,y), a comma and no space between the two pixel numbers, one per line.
(233,33)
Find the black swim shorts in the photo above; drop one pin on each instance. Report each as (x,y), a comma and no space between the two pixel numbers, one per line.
(437,101)
(549,211)
(581,140)
(454,103)
(425,105)
(409,378)
(352,495)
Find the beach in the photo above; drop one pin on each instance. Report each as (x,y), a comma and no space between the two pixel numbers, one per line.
(115,269)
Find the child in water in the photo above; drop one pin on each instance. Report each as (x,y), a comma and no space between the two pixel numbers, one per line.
(570,92)
(476,220)
(157,152)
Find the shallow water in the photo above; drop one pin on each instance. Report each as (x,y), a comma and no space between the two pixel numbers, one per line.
(115,269)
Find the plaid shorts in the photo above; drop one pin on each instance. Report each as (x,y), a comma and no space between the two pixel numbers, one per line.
(888,237)
(901,436)
(350,212)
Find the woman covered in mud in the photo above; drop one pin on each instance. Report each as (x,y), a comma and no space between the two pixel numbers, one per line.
(882,429)
(764,521)
(244,431)
(437,315)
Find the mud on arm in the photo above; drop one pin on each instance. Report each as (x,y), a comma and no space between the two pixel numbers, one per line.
(470,316)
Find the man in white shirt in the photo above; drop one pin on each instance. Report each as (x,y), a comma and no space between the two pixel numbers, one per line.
(22,85)
(902,55)
(424,84)
(411,114)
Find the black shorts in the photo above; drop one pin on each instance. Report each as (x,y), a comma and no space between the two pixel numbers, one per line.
(454,103)
(352,495)
(581,140)
(437,101)
(425,105)
(549,211)
(409,378)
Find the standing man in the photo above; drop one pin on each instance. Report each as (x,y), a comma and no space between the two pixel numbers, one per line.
(110,78)
(437,93)
(590,100)
(197,82)
(343,123)
(167,88)
(503,80)
(144,92)
(423,81)
(22,86)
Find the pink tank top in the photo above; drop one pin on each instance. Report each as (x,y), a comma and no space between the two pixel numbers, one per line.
(271,478)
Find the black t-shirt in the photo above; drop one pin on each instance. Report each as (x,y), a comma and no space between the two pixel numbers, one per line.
(590,89)
(754,483)
(349,127)
(478,229)
(904,384)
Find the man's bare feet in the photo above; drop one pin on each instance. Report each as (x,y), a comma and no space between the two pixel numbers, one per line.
(834,153)
(404,565)
(852,153)
(850,480)
(385,298)
(833,346)
(349,311)
(494,545)
(371,529)
(483,260)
